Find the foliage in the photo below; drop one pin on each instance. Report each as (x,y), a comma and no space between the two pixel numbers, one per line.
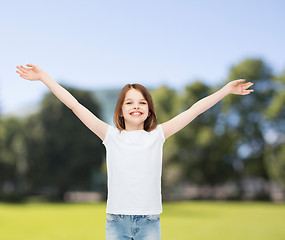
(249,121)
(275,116)
(51,152)
(228,142)
(202,152)
(13,164)
(241,137)
(167,106)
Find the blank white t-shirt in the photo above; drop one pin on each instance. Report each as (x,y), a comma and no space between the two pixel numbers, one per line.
(134,168)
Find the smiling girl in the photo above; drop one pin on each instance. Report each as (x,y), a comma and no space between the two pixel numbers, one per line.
(133,151)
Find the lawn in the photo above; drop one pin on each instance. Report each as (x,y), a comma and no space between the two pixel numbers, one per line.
(180,220)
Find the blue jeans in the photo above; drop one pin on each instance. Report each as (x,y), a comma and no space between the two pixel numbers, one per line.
(133,227)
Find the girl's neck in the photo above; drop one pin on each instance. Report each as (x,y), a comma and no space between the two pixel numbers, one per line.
(131,128)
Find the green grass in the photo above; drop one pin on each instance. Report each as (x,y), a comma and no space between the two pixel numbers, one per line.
(183,221)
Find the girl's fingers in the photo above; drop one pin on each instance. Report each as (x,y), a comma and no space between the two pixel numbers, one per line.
(23,69)
(247,85)
(31,65)
(248,92)
(240,80)
(22,74)
(18,68)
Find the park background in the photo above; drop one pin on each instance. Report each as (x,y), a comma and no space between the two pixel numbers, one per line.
(181,51)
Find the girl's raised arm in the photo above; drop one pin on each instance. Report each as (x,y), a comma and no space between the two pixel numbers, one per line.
(180,121)
(35,73)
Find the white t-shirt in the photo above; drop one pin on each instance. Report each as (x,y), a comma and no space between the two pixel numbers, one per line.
(134,167)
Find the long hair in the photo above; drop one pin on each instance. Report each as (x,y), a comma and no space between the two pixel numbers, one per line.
(150,123)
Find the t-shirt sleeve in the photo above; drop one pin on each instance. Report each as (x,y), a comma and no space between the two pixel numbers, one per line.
(161,133)
(108,135)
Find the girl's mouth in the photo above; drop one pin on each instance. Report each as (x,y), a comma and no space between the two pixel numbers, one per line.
(135,114)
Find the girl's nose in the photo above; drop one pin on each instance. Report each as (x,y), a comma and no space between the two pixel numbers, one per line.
(136,105)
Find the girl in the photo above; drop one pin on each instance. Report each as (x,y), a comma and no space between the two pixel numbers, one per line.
(133,151)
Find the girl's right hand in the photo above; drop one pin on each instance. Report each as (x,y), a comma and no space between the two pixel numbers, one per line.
(34,73)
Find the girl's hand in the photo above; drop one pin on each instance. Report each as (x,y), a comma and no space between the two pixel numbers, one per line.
(34,73)
(236,87)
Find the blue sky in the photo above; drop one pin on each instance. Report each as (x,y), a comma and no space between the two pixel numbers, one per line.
(105,44)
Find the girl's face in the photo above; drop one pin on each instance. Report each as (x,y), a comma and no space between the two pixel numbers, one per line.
(135,110)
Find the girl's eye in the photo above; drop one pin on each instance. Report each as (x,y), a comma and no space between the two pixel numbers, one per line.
(141,102)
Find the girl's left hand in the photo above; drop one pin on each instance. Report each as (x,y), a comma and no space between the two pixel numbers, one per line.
(236,87)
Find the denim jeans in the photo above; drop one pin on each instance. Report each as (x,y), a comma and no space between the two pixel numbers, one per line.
(133,227)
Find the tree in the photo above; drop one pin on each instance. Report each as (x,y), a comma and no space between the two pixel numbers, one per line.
(12,159)
(167,106)
(246,119)
(202,147)
(63,154)
(275,115)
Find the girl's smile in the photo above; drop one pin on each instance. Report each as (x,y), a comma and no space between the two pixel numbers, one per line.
(136,113)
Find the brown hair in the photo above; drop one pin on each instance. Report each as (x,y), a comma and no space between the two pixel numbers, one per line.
(150,123)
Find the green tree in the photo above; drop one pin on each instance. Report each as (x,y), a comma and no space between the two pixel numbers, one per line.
(12,158)
(201,147)
(167,106)
(246,119)
(63,154)
(275,115)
